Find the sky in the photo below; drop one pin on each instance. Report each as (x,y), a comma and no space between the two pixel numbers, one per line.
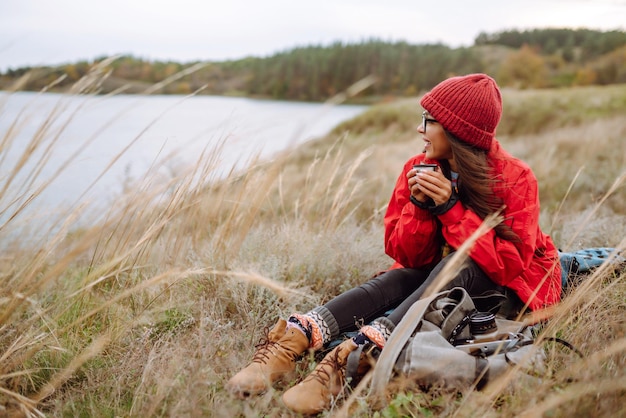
(46,32)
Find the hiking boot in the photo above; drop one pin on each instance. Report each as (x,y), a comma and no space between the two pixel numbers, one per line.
(315,393)
(275,358)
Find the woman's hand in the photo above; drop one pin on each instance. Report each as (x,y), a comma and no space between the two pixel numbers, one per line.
(414,187)
(431,184)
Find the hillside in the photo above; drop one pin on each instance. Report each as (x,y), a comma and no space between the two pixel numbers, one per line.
(543,58)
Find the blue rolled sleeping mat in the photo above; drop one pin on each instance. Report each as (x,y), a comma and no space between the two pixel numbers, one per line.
(576,263)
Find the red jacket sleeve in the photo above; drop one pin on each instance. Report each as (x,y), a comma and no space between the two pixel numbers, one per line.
(410,232)
(500,259)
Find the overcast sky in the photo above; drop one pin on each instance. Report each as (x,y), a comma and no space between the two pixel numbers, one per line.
(34,32)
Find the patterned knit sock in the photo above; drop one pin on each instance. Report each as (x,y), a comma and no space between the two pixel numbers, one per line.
(378,332)
(320,324)
(310,328)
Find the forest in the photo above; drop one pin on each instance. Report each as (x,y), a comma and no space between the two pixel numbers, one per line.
(538,58)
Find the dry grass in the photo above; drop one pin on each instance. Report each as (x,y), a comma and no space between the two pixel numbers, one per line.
(151,311)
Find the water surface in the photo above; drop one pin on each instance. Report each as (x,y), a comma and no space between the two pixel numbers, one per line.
(90,147)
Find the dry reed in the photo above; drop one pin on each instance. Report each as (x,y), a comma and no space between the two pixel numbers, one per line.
(149,311)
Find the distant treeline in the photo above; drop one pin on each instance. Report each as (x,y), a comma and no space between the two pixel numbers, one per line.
(524,59)
(580,45)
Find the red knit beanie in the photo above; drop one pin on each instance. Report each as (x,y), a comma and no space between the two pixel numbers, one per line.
(469,107)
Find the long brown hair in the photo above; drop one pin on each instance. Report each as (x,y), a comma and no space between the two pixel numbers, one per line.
(476,183)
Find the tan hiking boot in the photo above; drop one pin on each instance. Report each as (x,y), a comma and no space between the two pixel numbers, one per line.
(275,357)
(315,393)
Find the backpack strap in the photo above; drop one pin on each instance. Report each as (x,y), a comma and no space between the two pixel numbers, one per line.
(481,376)
(394,345)
(352,364)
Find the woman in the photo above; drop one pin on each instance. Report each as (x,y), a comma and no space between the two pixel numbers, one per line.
(430,214)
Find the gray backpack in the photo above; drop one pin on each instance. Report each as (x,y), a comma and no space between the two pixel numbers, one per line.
(434,345)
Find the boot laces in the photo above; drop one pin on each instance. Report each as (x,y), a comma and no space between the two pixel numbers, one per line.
(323,372)
(263,348)
(266,346)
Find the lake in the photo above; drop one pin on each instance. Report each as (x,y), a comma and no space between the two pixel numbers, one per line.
(72,140)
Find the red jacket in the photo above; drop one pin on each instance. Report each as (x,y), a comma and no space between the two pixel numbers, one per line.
(530,267)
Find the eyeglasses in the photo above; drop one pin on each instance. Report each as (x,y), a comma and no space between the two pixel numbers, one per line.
(426,119)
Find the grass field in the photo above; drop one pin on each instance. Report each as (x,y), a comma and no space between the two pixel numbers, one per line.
(149,313)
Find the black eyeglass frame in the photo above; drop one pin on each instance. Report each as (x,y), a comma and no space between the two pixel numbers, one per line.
(425,120)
